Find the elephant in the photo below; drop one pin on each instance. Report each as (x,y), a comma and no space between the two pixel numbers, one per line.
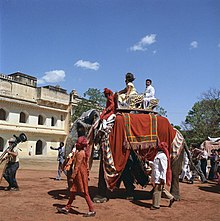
(132,137)
(136,136)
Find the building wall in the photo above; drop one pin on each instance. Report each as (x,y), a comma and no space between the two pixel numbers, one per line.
(51,102)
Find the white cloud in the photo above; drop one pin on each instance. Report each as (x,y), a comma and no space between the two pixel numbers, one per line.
(52,77)
(145,41)
(87,65)
(194,44)
(219,45)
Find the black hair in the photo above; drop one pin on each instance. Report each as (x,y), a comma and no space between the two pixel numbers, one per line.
(130,77)
(149,80)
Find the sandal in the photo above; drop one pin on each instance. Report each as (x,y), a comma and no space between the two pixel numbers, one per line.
(63,210)
(89,214)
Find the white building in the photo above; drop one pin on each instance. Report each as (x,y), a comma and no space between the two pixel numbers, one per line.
(42,113)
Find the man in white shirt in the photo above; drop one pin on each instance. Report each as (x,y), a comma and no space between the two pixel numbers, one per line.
(186,173)
(148,93)
(161,164)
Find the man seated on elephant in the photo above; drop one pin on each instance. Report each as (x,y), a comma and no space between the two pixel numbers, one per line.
(148,93)
(161,175)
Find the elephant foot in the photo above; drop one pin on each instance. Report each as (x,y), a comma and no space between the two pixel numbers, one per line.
(100,199)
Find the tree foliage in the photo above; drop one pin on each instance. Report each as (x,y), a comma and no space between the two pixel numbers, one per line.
(203,119)
(94,99)
(95,96)
(161,111)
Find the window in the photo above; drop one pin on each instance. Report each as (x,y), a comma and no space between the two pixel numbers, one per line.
(23,117)
(1,144)
(2,114)
(39,147)
(40,120)
(52,121)
(61,118)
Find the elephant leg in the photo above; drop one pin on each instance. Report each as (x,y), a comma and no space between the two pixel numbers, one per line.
(176,170)
(128,180)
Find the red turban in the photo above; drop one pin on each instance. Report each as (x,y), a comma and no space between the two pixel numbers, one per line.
(107,91)
(81,142)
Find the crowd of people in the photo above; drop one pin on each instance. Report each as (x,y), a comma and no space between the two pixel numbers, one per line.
(207,166)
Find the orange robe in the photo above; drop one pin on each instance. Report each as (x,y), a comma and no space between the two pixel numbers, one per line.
(80,174)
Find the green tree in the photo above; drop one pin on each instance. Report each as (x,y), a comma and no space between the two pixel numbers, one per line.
(93,99)
(204,118)
(95,96)
(161,111)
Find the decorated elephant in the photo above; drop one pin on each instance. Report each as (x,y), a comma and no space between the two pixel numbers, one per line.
(131,138)
(136,136)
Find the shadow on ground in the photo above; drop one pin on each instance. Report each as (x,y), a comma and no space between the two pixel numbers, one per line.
(93,191)
(213,187)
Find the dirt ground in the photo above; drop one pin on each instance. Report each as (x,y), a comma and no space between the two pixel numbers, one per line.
(40,195)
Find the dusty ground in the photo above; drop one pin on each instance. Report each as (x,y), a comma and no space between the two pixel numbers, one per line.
(40,194)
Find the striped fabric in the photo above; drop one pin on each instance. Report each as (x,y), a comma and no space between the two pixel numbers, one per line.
(177,145)
(109,167)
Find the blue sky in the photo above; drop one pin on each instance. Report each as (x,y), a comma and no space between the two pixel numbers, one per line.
(81,44)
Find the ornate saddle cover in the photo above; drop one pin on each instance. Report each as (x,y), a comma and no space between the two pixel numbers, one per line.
(141,135)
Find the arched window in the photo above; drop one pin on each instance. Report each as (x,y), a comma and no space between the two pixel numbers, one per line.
(2,143)
(39,147)
(40,120)
(23,117)
(52,121)
(2,114)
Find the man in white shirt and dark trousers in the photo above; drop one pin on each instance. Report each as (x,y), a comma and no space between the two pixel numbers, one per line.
(161,175)
(148,93)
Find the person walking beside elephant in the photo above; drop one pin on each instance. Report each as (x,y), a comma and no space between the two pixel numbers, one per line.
(161,175)
(79,178)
